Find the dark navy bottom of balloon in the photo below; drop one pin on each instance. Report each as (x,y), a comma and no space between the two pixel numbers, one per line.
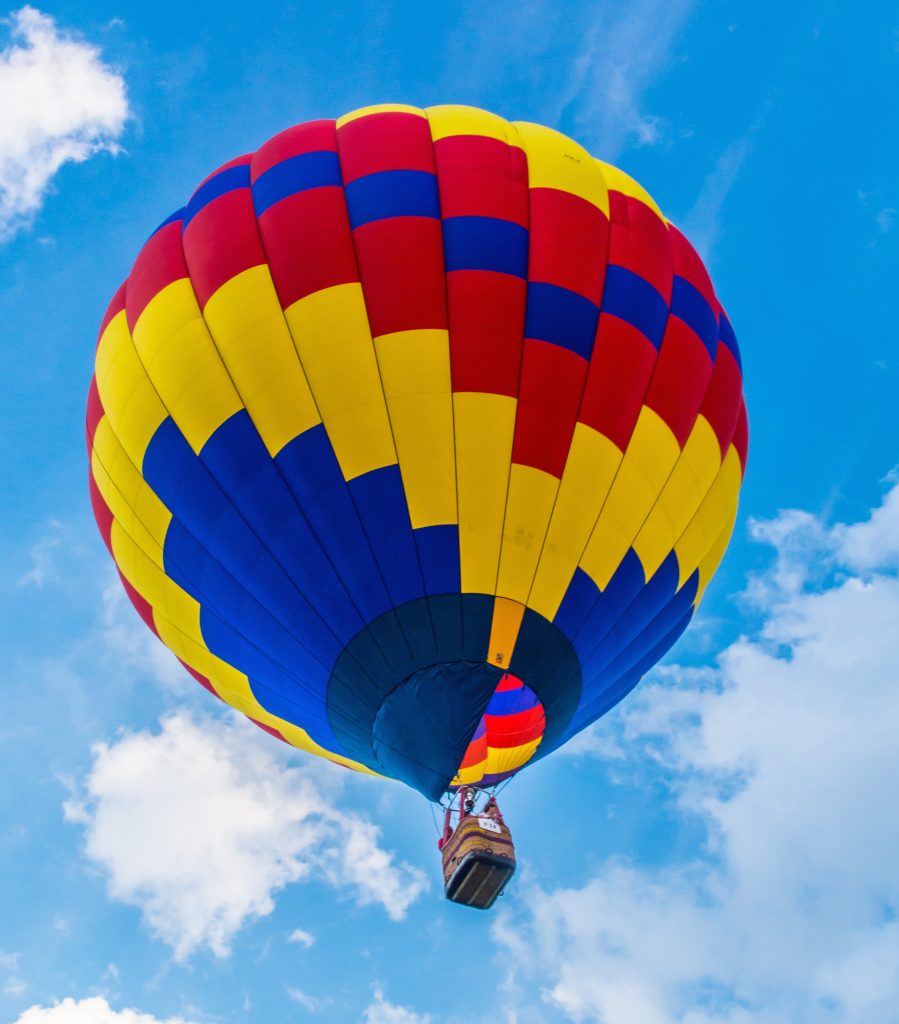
(408,691)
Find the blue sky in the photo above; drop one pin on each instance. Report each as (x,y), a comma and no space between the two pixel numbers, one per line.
(722,848)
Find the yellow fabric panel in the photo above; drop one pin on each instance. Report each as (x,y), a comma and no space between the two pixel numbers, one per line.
(459,120)
(690,480)
(415,372)
(330,330)
(129,497)
(705,527)
(507,616)
(252,337)
(130,402)
(709,565)
(507,759)
(379,108)
(498,759)
(485,427)
(618,181)
(181,360)
(528,508)
(593,461)
(153,585)
(651,455)
(555,161)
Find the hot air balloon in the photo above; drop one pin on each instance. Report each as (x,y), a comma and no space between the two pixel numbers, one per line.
(417,436)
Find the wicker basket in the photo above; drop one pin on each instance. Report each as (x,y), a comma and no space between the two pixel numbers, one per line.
(478,861)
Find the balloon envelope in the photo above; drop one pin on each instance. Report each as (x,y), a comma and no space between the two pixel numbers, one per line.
(417,436)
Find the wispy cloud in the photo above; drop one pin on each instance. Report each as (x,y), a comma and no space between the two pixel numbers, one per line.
(787,756)
(626,48)
(59,103)
(702,224)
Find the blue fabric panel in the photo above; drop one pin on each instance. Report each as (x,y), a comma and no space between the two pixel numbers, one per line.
(240,462)
(561,317)
(688,305)
(291,630)
(177,215)
(208,536)
(392,194)
(510,702)
(678,606)
(633,620)
(633,299)
(296,174)
(438,549)
(423,728)
(381,501)
(225,181)
(585,630)
(446,615)
(727,336)
(309,466)
(545,661)
(477,619)
(485,243)
(580,597)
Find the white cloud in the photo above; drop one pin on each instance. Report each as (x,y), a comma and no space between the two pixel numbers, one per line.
(89,1011)
(380,1011)
(304,938)
(625,50)
(200,824)
(788,755)
(59,103)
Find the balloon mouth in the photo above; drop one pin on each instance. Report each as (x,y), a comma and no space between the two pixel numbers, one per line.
(410,691)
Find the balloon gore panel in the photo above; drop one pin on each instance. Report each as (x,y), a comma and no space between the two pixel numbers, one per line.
(417,436)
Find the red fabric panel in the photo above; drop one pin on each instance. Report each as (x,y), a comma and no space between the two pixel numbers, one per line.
(486,316)
(158,264)
(401,267)
(680,380)
(113,309)
(141,605)
(202,680)
(724,397)
(552,378)
(689,266)
(514,730)
(475,753)
(480,177)
(221,241)
(617,380)
(94,414)
(741,436)
(385,142)
(102,512)
(312,137)
(308,243)
(568,243)
(639,242)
